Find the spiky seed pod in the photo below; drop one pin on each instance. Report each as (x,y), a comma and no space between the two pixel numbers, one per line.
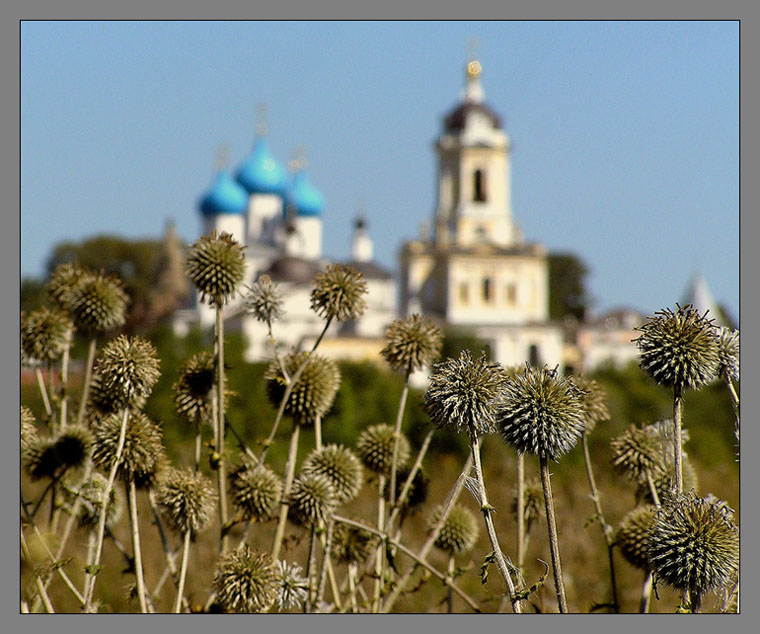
(293,588)
(533,502)
(62,282)
(341,466)
(255,491)
(694,545)
(463,394)
(186,499)
(246,581)
(638,452)
(338,293)
(42,461)
(594,400)
(728,353)
(73,446)
(150,478)
(413,343)
(45,334)
(128,367)
(103,402)
(541,413)
(312,499)
(459,531)
(97,303)
(632,535)
(90,494)
(375,448)
(192,391)
(313,393)
(216,265)
(679,349)
(418,490)
(665,484)
(28,430)
(143,448)
(264,300)
(351,545)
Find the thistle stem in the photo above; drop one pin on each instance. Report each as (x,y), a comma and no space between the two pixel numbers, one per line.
(397,438)
(352,587)
(64,400)
(182,573)
(38,582)
(734,403)
(290,470)
(221,480)
(325,563)
(310,566)
(450,576)
(380,552)
(520,510)
(646,594)
(490,529)
(410,479)
(559,583)
(677,412)
(87,379)
(43,391)
(606,528)
(136,550)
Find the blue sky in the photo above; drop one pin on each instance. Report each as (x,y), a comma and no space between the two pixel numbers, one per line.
(625,134)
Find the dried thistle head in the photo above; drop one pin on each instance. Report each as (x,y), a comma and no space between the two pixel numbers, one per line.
(694,545)
(375,448)
(638,453)
(97,303)
(264,300)
(594,401)
(413,343)
(192,391)
(63,280)
(246,581)
(41,459)
(255,491)
(312,499)
(216,265)
(665,485)
(293,588)
(45,334)
(102,402)
(679,349)
(541,413)
(459,531)
(143,447)
(28,430)
(533,502)
(186,499)
(464,393)
(51,457)
(728,353)
(341,466)
(128,367)
(351,544)
(90,494)
(339,293)
(632,535)
(313,394)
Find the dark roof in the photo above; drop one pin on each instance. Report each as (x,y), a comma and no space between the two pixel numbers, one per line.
(292,269)
(456,119)
(371,270)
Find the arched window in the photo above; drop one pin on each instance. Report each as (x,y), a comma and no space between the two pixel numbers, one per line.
(479,186)
(464,295)
(534,358)
(487,290)
(511,294)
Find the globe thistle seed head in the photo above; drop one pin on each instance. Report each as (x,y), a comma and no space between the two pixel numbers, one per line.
(90,495)
(341,466)
(128,367)
(638,453)
(97,303)
(73,446)
(312,499)
(62,282)
(339,293)
(541,413)
(412,343)
(42,460)
(594,400)
(632,535)
(351,545)
(679,349)
(150,478)
(728,353)
(264,300)
(313,394)
(294,587)
(694,545)
(186,499)
(216,265)
(533,502)
(45,334)
(28,430)
(463,394)
(246,581)
(143,448)
(664,483)
(459,531)
(103,402)
(375,448)
(255,491)
(418,490)
(192,391)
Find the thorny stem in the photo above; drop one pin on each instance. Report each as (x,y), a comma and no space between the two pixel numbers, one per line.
(677,412)
(136,550)
(606,528)
(64,400)
(553,538)
(221,480)
(397,438)
(325,562)
(734,403)
(380,552)
(409,480)
(290,470)
(43,390)
(183,573)
(646,594)
(310,566)
(87,379)
(450,575)
(38,582)
(352,587)
(520,510)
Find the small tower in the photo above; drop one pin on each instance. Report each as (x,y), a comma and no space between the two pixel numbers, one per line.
(223,207)
(361,244)
(698,294)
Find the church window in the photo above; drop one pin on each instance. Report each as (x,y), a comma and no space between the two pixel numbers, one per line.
(479,186)
(511,294)
(464,293)
(487,289)
(534,358)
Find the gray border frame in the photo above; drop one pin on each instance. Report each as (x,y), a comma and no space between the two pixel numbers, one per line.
(14,11)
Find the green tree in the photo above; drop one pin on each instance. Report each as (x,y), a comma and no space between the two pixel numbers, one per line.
(567,289)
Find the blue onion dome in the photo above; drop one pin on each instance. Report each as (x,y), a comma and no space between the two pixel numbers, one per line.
(224,197)
(260,173)
(303,197)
